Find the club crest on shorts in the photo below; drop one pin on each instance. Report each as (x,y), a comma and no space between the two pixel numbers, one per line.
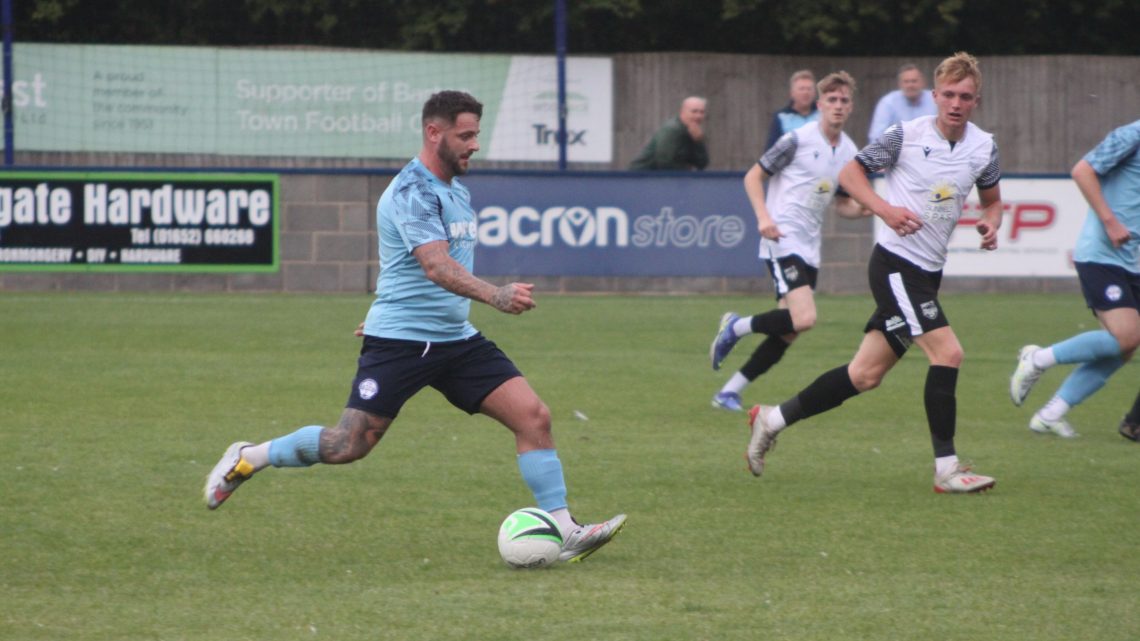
(1113,292)
(367,389)
(929,309)
(791,273)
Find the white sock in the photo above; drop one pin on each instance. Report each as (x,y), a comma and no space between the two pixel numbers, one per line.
(742,326)
(1044,358)
(735,384)
(776,419)
(565,521)
(1054,410)
(943,465)
(256,455)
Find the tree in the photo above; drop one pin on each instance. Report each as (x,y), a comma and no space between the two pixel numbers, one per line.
(853,27)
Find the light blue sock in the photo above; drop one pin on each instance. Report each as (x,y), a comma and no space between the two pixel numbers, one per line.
(1086,347)
(542,472)
(299,449)
(1087,379)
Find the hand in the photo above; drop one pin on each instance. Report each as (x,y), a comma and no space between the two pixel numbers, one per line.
(769,230)
(359,331)
(696,131)
(1117,233)
(514,298)
(902,220)
(989,235)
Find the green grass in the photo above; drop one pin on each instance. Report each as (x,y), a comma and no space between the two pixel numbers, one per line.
(114,407)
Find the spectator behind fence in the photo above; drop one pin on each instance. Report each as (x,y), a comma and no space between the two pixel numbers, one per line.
(680,143)
(908,102)
(801,108)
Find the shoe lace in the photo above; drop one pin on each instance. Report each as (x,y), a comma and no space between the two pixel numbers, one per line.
(963,468)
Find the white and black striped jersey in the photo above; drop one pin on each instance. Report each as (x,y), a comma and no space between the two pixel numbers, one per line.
(804,170)
(931,177)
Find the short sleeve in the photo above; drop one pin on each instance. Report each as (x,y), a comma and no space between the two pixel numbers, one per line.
(419,216)
(781,154)
(1120,144)
(884,152)
(991,174)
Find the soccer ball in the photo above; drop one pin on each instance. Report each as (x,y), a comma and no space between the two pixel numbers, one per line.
(529,538)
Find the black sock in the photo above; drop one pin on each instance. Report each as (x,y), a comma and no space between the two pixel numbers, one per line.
(774,323)
(764,357)
(1133,415)
(941,407)
(825,393)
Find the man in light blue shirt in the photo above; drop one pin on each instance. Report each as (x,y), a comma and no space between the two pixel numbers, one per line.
(908,102)
(801,107)
(1106,260)
(416,209)
(417,335)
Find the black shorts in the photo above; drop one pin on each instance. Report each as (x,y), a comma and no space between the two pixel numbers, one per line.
(906,299)
(790,272)
(390,371)
(1108,286)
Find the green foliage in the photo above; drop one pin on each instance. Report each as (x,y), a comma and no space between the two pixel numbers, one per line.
(113,407)
(851,27)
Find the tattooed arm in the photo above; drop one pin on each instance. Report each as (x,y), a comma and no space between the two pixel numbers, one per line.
(443,270)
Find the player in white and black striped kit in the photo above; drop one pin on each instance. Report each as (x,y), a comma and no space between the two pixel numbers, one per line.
(804,167)
(930,164)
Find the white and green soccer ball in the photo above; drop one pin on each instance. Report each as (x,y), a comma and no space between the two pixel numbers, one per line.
(529,538)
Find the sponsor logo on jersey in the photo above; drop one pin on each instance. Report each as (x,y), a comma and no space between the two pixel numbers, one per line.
(941,202)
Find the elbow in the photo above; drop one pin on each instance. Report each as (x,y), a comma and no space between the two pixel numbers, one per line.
(434,272)
(1081,170)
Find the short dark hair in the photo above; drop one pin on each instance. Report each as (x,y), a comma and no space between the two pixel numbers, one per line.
(449,104)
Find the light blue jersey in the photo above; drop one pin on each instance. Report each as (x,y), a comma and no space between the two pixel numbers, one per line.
(418,208)
(1116,161)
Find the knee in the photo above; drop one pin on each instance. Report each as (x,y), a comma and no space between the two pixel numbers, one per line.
(532,427)
(1128,343)
(952,357)
(537,419)
(335,451)
(351,439)
(803,322)
(865,379)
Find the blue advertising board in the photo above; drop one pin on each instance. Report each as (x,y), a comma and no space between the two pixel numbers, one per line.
(589,224)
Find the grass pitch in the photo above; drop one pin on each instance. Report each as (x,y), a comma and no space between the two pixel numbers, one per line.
(113,407)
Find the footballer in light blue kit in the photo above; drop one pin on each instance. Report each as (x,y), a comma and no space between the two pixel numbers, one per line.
(417,334)
(417,208)
(1106,260)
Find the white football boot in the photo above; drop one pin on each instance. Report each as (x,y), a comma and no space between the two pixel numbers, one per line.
(763,438)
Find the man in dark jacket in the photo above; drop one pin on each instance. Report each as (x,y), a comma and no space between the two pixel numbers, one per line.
(680,143)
